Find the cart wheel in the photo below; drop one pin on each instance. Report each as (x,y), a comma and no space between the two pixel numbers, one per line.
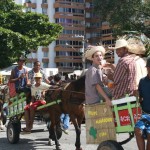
(110,145)
(13,132)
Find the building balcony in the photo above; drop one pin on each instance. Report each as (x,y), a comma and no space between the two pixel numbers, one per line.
(71,59)
(31,60)
(45,49)
(68,16)
(69,5)
(44,5)
(45,60)
(30,5)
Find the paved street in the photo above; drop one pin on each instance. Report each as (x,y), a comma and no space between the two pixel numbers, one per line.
(38,140)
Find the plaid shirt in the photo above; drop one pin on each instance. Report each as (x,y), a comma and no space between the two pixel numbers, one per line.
(124,77)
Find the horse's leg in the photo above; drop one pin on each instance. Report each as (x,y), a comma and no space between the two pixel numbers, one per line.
(53,130)
(78,132)
(1,123)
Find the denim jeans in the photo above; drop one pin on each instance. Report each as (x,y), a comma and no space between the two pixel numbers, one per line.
(65,119)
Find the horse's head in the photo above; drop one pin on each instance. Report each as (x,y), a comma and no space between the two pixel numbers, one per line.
(53,94)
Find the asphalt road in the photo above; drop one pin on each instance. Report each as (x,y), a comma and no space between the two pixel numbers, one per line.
(39,138)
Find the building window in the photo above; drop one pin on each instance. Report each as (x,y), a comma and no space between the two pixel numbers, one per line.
(44,1)
(45,65)
(44,11)
(45,54)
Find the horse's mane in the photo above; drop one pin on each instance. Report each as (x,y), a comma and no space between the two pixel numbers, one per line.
(79,84)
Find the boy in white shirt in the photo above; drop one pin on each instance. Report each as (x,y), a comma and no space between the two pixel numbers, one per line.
(37,91)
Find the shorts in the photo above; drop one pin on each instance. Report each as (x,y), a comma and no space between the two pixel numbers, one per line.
(35,104)
(144,124)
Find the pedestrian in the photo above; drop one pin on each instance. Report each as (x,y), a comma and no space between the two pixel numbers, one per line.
(142,127)
(124,75)
(37,100)
(94,87)
(64,118)
(65,122)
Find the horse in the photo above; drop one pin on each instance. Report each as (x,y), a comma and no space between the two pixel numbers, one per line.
(72,96)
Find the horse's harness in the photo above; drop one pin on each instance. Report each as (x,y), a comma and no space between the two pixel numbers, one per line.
(72,94)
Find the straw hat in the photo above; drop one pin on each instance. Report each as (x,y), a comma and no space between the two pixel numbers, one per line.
(121,43)
(93,49)
(38,75)
(136,46)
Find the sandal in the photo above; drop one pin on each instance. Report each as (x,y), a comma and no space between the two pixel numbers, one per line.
(26,131)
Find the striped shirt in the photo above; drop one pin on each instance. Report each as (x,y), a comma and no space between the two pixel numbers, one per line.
(124,77)
(31,74)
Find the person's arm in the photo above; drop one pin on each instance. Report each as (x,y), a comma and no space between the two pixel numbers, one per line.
(47,81)
(12,79)
(101,92)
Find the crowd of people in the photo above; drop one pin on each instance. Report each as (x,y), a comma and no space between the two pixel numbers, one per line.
(34,84)
(131,76)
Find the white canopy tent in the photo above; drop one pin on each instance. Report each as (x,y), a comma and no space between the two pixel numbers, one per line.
(7,71)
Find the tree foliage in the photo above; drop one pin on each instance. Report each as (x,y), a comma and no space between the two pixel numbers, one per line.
(125,15)
(21,32)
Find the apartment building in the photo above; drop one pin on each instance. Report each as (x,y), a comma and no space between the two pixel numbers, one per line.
(81,28)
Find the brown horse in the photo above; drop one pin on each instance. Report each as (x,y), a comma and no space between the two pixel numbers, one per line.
(72,96)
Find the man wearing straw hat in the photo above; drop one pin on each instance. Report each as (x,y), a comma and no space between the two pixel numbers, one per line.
(93,83)
(137,50)
(124,76)
(142,127)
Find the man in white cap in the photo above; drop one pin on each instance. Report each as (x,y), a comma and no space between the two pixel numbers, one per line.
(124,76)
(93,83)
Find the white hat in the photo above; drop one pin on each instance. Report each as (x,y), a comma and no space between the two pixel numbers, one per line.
(93,49)
(121,43)
(136,46)
(38,75)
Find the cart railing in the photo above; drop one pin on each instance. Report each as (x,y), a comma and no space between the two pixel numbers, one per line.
(19,102)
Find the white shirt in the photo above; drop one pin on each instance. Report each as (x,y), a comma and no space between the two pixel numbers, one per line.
(37,91)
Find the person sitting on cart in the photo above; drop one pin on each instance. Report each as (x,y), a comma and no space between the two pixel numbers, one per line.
(142,127)
(31,80)
(36,69)
(37,100)
(94,87)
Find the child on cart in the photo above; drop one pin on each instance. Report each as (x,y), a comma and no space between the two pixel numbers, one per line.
(142,127)
(37,95)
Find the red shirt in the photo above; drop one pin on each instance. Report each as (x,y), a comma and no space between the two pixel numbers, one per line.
(124,77)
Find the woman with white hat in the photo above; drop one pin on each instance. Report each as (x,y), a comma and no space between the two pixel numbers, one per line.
(93,82)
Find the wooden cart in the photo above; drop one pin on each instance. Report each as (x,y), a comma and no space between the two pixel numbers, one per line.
(16,112)
(103,122)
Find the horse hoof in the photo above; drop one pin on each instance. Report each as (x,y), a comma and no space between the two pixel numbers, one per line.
(79,148)
(58,147)
(50,143)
